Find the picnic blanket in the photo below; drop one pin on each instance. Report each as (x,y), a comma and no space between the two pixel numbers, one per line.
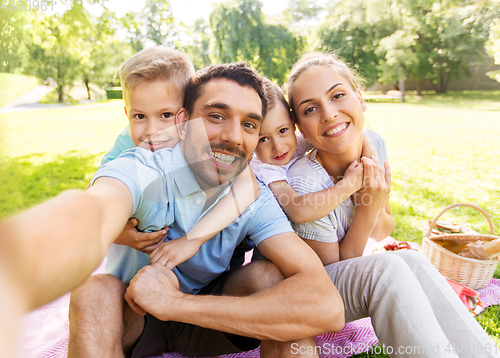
(45,331)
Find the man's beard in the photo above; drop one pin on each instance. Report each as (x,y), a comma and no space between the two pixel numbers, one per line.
(198,154)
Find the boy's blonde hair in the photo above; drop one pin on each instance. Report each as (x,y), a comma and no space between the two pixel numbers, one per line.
(321,59)
(156,63)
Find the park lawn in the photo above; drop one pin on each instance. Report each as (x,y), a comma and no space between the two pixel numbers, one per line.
(13,86)
(439,155)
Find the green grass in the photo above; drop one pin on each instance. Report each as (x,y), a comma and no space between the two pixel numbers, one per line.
(439,155)
(13,86)
(48,151)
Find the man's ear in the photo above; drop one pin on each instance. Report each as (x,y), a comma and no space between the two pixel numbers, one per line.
(361,100)
(181,118)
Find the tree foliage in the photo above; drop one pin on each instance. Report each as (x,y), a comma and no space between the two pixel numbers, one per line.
(241,33)
(390,40)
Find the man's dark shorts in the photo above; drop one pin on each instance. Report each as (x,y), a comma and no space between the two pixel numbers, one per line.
(161,337)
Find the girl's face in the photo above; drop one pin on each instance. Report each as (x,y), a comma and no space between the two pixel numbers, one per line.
(329,112)
(277,141)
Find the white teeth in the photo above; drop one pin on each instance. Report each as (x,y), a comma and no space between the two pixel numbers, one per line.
(223,158)
(337,129)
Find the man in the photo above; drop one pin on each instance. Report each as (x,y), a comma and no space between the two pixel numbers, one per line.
(296,298)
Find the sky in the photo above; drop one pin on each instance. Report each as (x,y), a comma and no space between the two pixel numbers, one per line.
(188,11)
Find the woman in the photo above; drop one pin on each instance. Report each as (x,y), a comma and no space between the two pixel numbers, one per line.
(413,309)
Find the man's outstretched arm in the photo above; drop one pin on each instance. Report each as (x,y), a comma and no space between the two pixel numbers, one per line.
(305,304)
(53,247)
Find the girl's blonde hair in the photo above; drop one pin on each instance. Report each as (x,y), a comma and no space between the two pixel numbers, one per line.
(321,59)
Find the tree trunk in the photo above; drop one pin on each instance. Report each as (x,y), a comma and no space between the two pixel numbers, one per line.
(443,82)
(60,92)
(87,82)
(420,86)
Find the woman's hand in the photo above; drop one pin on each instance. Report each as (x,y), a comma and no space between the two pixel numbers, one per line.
(376,186)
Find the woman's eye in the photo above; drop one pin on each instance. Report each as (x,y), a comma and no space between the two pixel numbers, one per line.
(309,110)
(283,130)
(338,95)
(140,116)
(263,139)
(167,115)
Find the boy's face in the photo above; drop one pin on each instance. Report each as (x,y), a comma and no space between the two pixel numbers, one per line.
(151,108)
(277,141)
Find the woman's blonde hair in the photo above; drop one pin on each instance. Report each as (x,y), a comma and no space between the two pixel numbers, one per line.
(321,59)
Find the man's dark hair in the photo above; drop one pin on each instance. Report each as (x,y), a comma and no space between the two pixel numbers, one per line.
(238,72)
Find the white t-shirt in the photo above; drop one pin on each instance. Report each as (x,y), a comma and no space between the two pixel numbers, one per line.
(268,173)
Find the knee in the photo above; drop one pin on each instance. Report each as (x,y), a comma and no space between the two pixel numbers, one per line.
(97,292)
(265,275)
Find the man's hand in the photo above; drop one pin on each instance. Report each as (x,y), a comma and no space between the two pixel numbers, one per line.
(152,290)
(146,242)
(174,252)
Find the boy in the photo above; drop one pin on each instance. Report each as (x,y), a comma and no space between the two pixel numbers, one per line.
(153,83)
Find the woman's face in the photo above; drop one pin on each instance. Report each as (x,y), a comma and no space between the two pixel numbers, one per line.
(329,112)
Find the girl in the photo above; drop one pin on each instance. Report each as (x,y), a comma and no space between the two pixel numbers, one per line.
(279,147)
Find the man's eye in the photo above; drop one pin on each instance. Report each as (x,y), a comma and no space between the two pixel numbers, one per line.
(140,116)
(217,116)
(167,115)
(250,125)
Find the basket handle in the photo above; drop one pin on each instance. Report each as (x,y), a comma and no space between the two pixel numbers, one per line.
(461,204)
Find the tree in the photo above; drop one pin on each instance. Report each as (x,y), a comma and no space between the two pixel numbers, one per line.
(493,47)
(353,30)
(198,46)
(55,48)
(159,21)
(12,37)
(103,53)
(241,34)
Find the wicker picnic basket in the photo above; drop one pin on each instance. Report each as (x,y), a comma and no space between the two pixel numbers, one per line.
(469,272)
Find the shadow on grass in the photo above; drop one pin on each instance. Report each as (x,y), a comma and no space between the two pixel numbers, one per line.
(25,181)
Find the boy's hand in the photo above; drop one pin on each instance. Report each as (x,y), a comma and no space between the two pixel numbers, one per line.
(353,176)
(174,252)
(146,242)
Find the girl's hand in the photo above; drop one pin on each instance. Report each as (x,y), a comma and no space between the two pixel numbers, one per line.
(174,252)
(376,185)
(145,242)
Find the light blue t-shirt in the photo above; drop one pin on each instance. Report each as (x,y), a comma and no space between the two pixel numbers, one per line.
(307,175)
(122,143)
(166,193)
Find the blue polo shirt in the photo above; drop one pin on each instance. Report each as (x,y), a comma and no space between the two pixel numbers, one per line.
(122,143)
(166,193)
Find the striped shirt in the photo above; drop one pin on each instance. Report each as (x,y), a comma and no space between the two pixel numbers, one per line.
(307,175)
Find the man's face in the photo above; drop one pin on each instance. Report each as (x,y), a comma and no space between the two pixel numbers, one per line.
(222,133)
